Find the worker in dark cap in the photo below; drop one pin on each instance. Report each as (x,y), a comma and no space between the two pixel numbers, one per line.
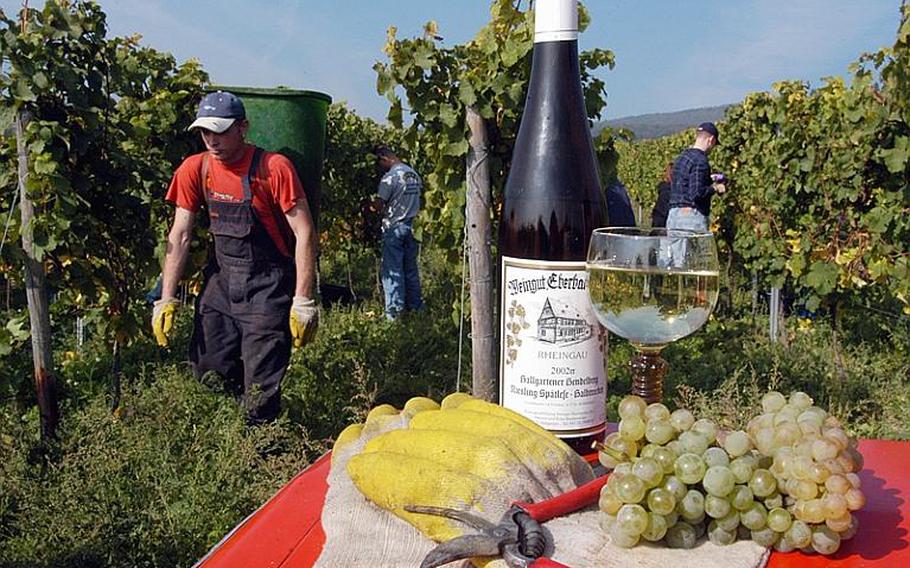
(257,296)
(693,184)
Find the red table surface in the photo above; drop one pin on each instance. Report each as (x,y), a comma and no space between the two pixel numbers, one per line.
(286,531)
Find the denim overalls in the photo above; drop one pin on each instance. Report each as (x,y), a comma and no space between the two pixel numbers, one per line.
(241,328)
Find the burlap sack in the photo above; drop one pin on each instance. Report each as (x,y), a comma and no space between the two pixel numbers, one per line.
(362,535)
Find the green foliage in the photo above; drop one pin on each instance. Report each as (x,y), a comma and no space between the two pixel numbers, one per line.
(489,73)
(106,130)
(821,182)
(350,177)
(157,484)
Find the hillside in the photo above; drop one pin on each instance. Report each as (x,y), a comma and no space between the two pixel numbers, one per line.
(661,124)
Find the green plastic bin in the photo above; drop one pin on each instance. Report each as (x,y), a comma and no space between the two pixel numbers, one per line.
(291,122)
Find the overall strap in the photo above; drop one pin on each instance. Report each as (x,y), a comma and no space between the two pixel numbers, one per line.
(204,175)
(254,166)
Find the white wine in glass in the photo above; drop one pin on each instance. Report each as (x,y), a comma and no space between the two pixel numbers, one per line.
(652,287)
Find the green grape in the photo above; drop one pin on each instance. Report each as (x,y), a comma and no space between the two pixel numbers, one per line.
(692,506)
(787,434)
(801,467)
(813,511)
(720,536)
(690,468)
(855,499)
(632,428)
(737,443)
(609,502)
(840,523)
(851,531)
(800,400)
(627,447)
(835,505)
(694,442)
(647,451)
(630,489)
(743,467)
(774,501)
(819,473)
(672,518)
(730,521)
(854,480)
(741,497)
(665,458)
(823,449)
(659,432)
(681,535)
(675,486)
(799,534)
(718,480)
(632,519)
(657,411)
(772,401)
(764,441)
(783,545)
(715,456)
(754,518)
(682,419)
(676,447)
(706,427)
(762,483)
(661,501)
(607,522)
(825,540)
(804,489)
(649,471)
(764,537)
(624,468)
(622,539)
(779,519)
(608,460)
(657,528)
(838,437)
(717,507)
(632,405)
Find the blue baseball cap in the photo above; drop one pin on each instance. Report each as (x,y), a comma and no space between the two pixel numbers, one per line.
(710,129)
(218,111)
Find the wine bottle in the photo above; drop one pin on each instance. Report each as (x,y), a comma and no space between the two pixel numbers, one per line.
(552,355)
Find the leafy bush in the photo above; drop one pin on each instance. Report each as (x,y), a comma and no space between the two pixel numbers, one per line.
(155,484)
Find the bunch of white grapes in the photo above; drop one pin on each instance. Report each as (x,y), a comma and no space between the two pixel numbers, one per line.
(788,481)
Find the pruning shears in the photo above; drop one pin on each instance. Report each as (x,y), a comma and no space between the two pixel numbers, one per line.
(518,538)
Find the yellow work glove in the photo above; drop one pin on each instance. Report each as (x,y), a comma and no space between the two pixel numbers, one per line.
(468,455)
(304,320)
(163,319)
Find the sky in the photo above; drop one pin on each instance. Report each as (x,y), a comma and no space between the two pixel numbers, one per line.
(670,54)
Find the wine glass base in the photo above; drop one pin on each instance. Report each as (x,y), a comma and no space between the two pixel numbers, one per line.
(648,372)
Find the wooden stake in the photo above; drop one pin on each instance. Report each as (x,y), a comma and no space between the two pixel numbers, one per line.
(36,293)
(479,210)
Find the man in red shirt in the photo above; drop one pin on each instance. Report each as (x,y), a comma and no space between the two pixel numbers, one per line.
(262,273)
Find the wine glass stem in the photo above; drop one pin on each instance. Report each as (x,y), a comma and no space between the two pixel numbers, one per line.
(648,372)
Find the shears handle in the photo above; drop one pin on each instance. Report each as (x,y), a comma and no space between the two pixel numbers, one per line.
(568,502)
(547,563)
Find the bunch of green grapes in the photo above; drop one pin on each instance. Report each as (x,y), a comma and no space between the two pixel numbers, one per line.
(788,481)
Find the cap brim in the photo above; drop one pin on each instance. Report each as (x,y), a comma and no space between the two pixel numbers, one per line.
(212,123)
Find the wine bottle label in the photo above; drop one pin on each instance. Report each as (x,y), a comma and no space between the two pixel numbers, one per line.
(552,364)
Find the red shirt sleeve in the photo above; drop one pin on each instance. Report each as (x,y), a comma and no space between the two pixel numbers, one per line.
(286,187)
(185,190)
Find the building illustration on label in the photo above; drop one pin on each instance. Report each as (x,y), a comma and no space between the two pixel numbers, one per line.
(561,324)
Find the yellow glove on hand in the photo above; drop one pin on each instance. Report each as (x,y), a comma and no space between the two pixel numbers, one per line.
(304,320)
(163,319)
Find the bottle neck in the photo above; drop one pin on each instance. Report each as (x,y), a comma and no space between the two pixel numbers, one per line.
(555,20)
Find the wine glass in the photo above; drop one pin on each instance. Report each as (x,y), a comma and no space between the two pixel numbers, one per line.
(651,286)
